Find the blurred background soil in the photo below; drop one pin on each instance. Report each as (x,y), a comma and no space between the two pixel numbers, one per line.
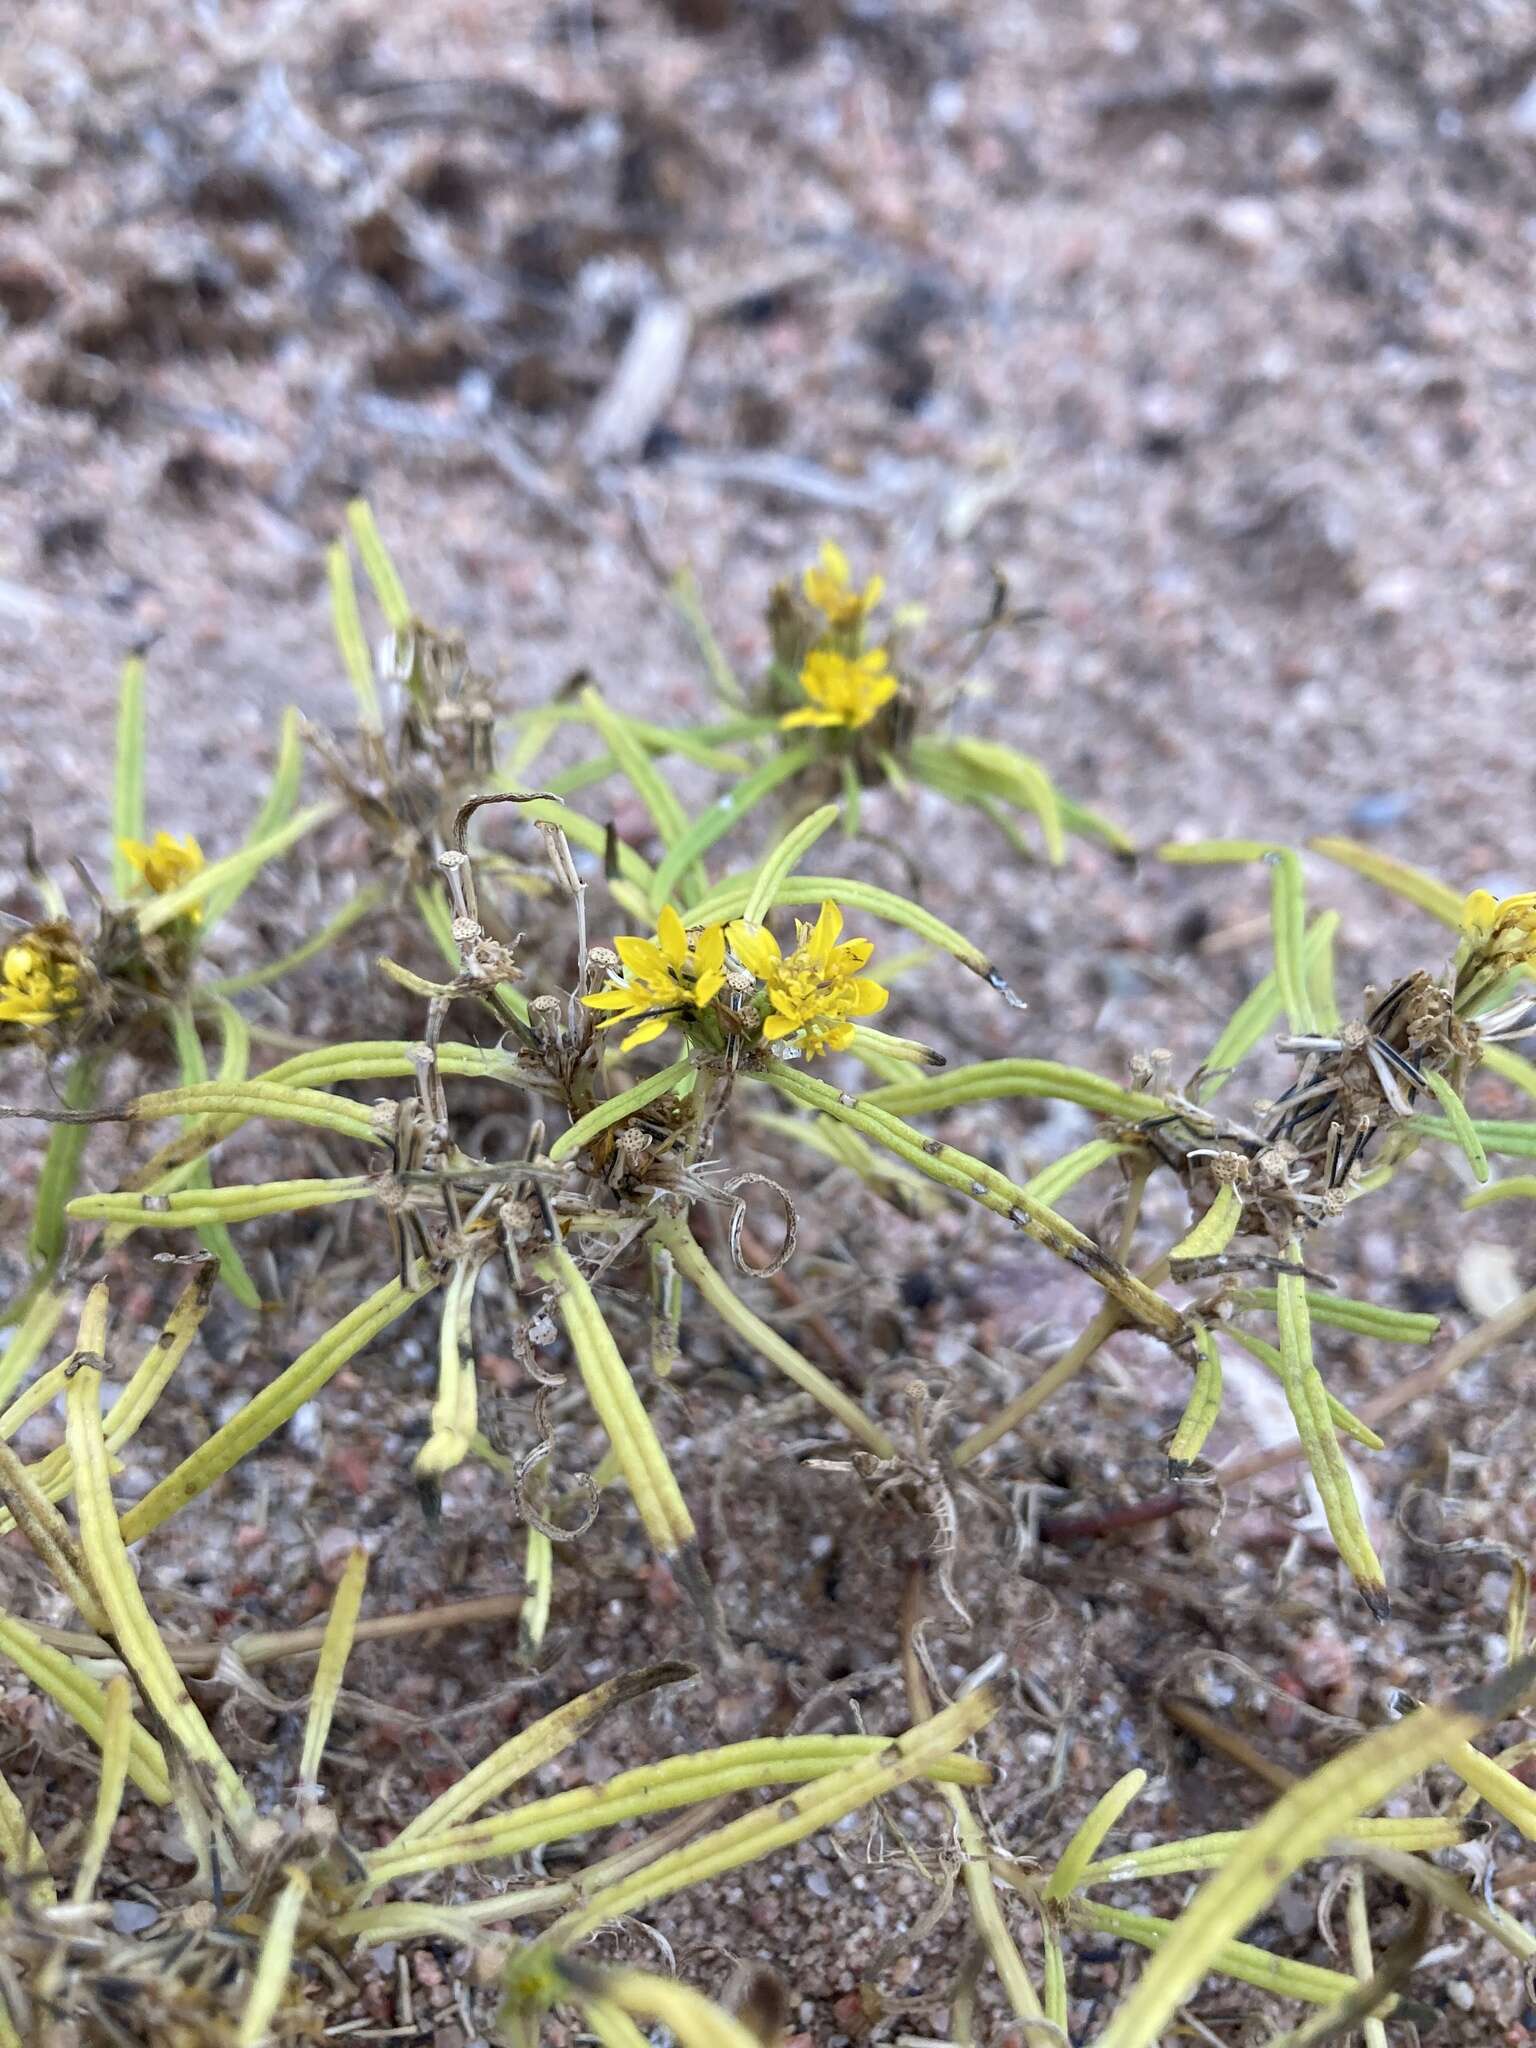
(1211,329)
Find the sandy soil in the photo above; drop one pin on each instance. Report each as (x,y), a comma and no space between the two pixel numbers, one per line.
(1212,330)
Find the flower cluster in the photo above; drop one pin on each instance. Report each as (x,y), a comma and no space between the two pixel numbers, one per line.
(805,1001)
(816,992)
(843,691)
(165,863)
(845,682)
(663,978)
(39,980)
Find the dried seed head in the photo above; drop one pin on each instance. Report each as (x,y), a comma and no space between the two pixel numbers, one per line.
(1228,1169)
(602,961)
(489,960)
(1274,1163)
(632,1143)
(545,1014)
(739,982)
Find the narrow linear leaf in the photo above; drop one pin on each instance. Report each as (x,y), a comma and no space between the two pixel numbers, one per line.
(1215,852)
(624,1417)
(1364,1318)
(1518,1187)
(117,1588)
(1024,782)
(1462,1126)
(1240,1960)
(22,1857)
(271,1982)
(1080,1851)
(1062,1175)
(684,592)
(61,1164)
(116,1734)
(1307,1398)
(1214,1231)
(1210,1852)
(1396,876)
(379,568)
(781,863)
(352,641)
(352,912)
(213,1234)
(335,1649)
(693,2020)
(996,1080)
(189,1207)
(128,779)
(1288,921)
(1204,1405)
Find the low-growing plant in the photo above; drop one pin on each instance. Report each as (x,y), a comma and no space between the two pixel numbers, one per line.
(543,1166)
(127,978)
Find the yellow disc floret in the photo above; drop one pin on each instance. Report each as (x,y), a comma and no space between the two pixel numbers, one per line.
(815,992)
(663,978)
(843,691)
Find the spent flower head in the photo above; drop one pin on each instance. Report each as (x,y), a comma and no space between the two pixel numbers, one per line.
(663,978)
(39,979)
(844,690)
(828,585)
(815,992)
(165,862)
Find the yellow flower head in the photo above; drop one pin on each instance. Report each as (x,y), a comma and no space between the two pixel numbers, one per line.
(843,691)
(1502,933)
(166,863)
(673,973)
(829,586)
(814,994)
(38,982)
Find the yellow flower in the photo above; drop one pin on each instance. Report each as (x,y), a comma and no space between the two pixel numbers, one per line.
(675,972)
(815,994)
(37,983)
(843,691)
(167,863)
(829,587)
(1504,933)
